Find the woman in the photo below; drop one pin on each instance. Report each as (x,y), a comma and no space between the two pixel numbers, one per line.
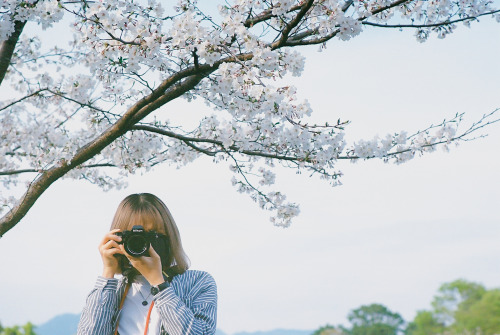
(154,294)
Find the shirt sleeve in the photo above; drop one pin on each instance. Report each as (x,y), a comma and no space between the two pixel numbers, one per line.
(196,316)
(100,312)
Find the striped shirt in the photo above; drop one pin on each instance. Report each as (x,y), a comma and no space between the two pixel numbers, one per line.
(188,306)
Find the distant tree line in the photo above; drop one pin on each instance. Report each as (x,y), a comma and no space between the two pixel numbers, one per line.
(27,329)
(459,308)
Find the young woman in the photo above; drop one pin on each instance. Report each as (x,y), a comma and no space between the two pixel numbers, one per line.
(154,294)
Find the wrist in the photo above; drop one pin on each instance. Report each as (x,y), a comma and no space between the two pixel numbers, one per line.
(156,281)
(108,273)
(158,288)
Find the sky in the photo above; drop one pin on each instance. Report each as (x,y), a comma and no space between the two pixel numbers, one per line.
(391,234)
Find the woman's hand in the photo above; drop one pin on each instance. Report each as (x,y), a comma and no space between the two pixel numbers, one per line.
(149,267)
(108,248)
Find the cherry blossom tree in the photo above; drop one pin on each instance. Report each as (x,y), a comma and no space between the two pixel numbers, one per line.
(94,106)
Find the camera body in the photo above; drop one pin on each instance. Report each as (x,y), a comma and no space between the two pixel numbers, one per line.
(137,241)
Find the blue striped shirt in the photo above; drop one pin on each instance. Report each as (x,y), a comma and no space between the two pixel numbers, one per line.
(187,307)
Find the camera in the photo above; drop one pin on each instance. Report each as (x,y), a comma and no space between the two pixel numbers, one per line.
(136,242)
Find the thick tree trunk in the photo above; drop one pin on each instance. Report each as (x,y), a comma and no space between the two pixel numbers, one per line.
(7,48)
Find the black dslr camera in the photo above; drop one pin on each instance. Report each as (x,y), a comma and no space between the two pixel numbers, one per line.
(136,242)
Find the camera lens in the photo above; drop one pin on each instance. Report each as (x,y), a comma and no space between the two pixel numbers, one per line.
(136,245)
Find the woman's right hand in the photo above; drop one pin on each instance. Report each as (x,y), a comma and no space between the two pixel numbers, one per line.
(109,248)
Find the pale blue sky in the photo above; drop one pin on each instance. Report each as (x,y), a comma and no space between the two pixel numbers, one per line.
(390,234)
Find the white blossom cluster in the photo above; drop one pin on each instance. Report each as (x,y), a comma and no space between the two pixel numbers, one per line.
(400,147)
(124,50)
(46,13)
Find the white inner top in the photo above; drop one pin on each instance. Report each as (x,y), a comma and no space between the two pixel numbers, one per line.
(133,315)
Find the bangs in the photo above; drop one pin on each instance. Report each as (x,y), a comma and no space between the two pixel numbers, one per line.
(147,217)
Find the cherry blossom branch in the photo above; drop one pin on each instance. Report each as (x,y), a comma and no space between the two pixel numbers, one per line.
(481,124)
(429,25)
(15,172)
(350,156)
(384,8)
(462,137)
(96,22)
(89,105)
(267,15)
(299,39)
(247,182)
(339,125)
(24,98)
(173,87)
(296,42)
(68,55)
(233,148)
(292,24)
(143,107)
(202,45)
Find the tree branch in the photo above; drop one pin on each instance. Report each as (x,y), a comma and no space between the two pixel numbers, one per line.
(292,24)
(14,172)
(144,107)
(233,148)
(430,25)
(24,98)
(266,15)
(173,87)
(298,39)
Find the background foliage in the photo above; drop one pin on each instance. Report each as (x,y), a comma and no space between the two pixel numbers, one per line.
(459,307)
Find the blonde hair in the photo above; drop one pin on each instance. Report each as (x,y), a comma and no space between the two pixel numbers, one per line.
(149,211)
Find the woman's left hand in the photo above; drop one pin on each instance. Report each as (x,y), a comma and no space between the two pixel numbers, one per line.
(149,267)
